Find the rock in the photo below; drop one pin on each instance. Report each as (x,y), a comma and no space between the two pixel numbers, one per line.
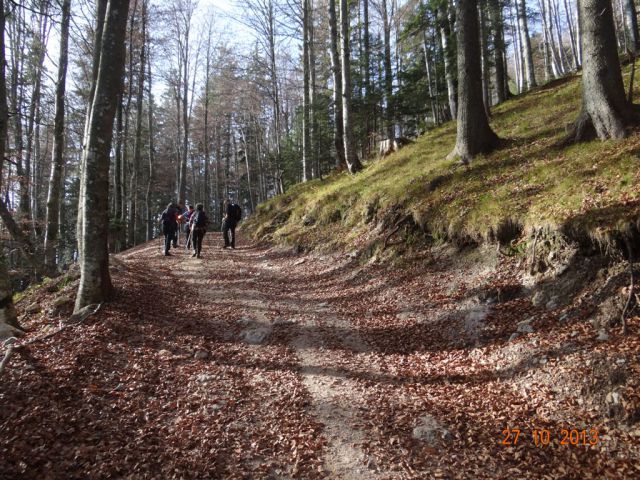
(33,308)
(514,336)
(300,262)
(204,377)
(564,317)
(620,361)
(62,300)
(613,398)
(525,326)
(7,331)
(539,299)
(164,353)
(244,321)
(201,355)
(552,304)
(430,431)
(602,336)
(282,322)
(255,336)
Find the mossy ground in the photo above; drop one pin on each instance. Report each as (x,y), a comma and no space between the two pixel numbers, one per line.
(592,187)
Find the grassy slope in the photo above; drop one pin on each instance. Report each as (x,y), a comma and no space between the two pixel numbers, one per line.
(592,187)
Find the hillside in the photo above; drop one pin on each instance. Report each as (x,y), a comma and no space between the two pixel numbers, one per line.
(588,191)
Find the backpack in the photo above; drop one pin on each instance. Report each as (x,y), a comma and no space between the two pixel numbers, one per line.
(199,220)
(237,212)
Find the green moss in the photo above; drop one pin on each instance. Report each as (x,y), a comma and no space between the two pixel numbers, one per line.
(529,181)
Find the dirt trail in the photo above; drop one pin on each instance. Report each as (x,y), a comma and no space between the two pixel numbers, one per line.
(311,336)
(260,363)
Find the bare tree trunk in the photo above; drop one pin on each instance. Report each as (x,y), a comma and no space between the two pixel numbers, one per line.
(388,75)
(474,135)
(484,49)
(502,87)
(313,116)
(632,24)
(553,6)
(574,50)
(366,56)
(137,146)
(351,157)
(101,10)
(605,110)
(337,85)
(517,51)
(8,314)
(150,126)
(95,281)
(57,162)
(448,58)
(306,140)
(526,44)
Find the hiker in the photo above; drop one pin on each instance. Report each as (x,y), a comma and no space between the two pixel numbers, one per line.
(177,210)
(198,225)
(233,214)
(169,224)
(186,218)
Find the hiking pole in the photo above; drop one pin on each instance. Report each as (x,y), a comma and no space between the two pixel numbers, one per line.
(186,245)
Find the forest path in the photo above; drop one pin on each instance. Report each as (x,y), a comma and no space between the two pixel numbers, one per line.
(260,363)
(278,307)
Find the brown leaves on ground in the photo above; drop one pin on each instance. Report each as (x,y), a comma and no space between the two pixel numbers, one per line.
(163,383)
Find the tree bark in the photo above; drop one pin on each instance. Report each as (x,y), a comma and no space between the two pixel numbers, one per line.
(526,45)
(8,314)
(449,60)
(632,24)
(137,146)
(306,141)
(388,75)
(337,86)
(502,87)
(150,222)
(474,135)
(351,157)
(484,49)
(605,110)
(101,8)
(57,162)
(366,60)
(95,281)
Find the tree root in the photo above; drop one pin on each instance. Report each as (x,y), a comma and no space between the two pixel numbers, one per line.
(630,299)
(75,319)
(395,230)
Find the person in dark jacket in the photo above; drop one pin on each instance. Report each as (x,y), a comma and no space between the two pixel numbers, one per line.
(198,225)
(232,216)
(168,224)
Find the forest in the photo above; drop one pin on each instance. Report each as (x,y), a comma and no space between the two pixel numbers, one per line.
(435,275)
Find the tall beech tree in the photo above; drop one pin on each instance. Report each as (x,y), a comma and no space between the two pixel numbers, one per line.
(351,156)
(605,110)
(95,282)
(55,180)
(7,311)
(474,135)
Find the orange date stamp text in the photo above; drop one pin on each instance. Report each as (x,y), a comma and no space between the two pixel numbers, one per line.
(542,437)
